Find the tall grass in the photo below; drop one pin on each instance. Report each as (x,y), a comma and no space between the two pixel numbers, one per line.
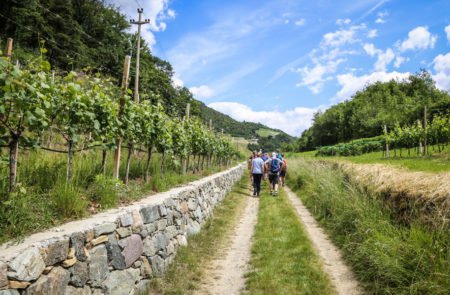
(387,257)
(43,199)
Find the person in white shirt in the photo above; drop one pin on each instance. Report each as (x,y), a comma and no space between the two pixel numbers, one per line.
(257,169)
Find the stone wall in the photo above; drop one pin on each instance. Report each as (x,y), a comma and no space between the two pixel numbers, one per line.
(114,252)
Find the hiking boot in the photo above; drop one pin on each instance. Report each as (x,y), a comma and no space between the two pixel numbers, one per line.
(254,193)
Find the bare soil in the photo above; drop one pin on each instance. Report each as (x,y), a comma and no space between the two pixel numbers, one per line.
(225,275)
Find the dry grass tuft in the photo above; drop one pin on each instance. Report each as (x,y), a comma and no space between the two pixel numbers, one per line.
(412,195)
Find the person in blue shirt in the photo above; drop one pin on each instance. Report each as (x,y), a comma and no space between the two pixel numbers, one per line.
(257,173)
(274,165)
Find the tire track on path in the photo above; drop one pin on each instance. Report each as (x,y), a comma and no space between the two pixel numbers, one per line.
(226,275)
(340,274)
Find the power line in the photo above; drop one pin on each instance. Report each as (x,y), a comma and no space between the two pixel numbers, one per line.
(60,17)
(55,43)
(138,3)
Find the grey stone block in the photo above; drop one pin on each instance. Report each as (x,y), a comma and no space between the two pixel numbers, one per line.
(55,283)
(79,274)
(98,265)
(56,252)
(78,240)
(150,214)
(27,266)
(133,250)
(121,282)
(105,228)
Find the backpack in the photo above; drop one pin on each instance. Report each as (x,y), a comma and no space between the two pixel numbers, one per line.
(274,166)
(284,167)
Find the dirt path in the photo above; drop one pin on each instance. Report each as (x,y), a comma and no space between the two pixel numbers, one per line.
(226,274)
(341,276)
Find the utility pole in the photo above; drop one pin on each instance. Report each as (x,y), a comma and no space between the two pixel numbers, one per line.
(139,23)
(126,71)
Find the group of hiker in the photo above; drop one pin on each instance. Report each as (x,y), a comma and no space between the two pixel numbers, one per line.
(273,168)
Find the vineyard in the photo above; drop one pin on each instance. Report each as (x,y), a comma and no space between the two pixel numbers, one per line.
(416,138)
(47,116)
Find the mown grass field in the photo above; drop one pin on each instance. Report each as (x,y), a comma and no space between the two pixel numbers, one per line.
(262,132)
(283,259)
(187,270)
(387,256)
(436,162)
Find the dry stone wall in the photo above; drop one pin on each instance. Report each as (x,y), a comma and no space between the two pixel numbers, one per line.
(115,252)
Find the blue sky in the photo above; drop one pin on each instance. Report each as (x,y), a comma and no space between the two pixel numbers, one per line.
(277,62)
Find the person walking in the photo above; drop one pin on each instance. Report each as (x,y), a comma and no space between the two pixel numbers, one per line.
(257,173)
(283,171)
(273,166)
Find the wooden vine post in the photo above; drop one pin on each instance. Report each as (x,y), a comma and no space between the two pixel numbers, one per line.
(14,144)
(185,162)
(387,155)
(425,145)
(126,71)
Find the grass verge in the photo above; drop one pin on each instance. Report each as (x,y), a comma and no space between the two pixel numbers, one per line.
(186,271)
(283,259)
(436,162)
(387,257)
(42,198)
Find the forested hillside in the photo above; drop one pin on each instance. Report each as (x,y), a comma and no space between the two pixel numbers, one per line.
(89,35)
(369,110)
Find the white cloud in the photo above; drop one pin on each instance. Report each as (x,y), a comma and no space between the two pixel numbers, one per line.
(384,58)
(442,68)
(350,83)
(372,33)
(381,17)
(300,22)
(202,92)
(447,31)
(418,38)
(291,121)
(314,77)
(370,49)
(156,10)
(342,37)
(399,60)
(171,13)
(341,21)
(176,81)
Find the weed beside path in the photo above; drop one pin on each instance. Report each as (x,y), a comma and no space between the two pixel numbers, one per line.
(387,257)
(283,259)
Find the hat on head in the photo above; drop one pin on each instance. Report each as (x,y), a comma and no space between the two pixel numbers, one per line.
(274,155)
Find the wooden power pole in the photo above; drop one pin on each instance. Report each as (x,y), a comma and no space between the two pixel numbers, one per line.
(126,71)
(139,23)
(9,47)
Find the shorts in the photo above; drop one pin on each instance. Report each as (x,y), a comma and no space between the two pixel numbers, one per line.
(282,173)
(273,178)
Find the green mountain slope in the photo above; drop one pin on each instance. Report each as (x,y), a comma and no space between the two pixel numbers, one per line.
(268,138)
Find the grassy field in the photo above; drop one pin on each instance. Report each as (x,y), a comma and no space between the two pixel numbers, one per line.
(388,257)
(43,199)
(434,163)
(186,271)
(283,259)
(262,132)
